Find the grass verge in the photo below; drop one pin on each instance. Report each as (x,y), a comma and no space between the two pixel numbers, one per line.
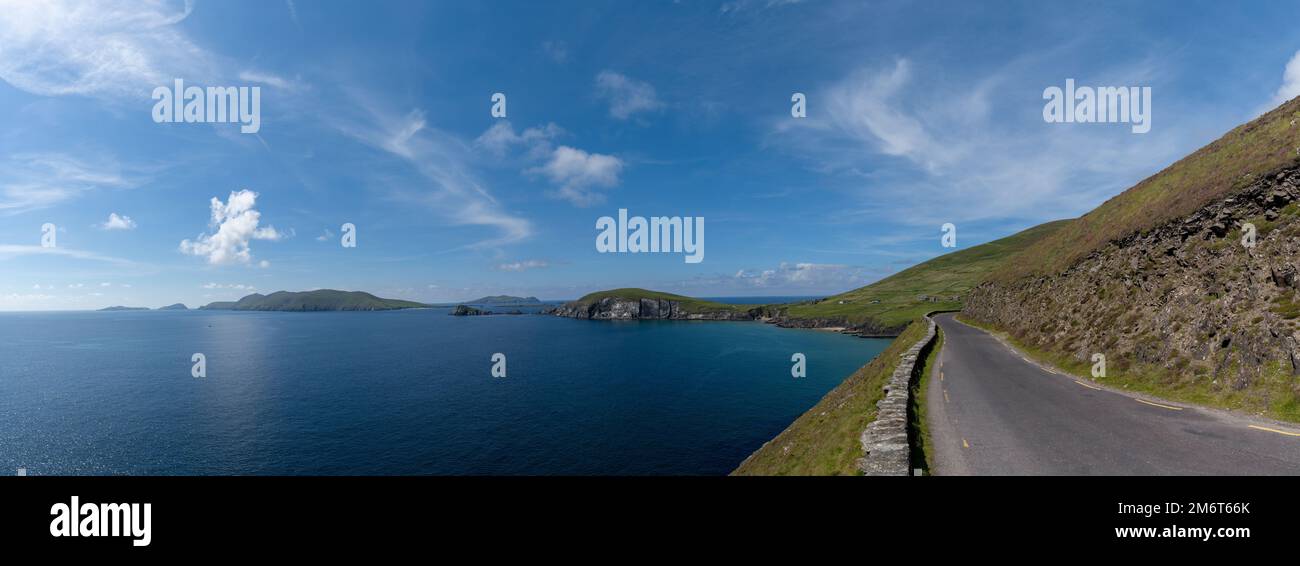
(824,441)
(1275,394)
(919,431)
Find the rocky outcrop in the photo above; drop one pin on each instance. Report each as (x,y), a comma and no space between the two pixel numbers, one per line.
(615,308)
(1188,302)
(885,442)
(465,310)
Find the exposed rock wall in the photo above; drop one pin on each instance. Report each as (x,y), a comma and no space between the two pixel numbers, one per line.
(885,442)
(1186,297)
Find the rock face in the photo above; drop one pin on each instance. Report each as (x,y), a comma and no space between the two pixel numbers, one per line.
(615,308)
(1187,302)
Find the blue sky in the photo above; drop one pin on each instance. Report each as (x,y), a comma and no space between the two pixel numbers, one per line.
(378,114)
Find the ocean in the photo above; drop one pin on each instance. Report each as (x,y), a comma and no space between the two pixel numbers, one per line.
(400,393)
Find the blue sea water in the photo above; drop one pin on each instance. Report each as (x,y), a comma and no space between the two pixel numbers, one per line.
(400,392)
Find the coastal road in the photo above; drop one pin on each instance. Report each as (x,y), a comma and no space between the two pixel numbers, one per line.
(993,412)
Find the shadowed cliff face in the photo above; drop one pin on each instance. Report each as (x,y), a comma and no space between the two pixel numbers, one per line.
(1185,305)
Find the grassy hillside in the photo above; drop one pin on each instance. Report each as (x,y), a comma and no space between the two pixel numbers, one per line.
(1232,162)
(824,440)
(319,300)
(688,304)
(894,301)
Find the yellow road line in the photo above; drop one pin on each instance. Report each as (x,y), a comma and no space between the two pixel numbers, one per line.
(964,444)
(1158,405)
(1088,385)
(945,395)
(940,375)
(1274,430)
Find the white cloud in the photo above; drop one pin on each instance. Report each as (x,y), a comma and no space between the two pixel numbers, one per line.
(116,222)
(804,275)
(736,6)
(626,96)
(499,138)
(523,265)
(579,173)
(102,48)
(232,286)
(236,224)
(326,236)
(1290,82)
(31,181)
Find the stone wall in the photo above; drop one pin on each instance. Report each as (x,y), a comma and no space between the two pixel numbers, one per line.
(885,446)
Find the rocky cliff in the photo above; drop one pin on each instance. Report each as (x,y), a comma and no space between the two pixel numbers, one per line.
(619,308)
(1187,305)
(631,308)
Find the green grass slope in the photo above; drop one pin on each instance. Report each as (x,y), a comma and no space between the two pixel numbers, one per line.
(319,300)
(1264,145)
(894,301)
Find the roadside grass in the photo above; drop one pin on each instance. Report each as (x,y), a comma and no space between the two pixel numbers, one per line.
(825,440)
(918,413)
(1275,393)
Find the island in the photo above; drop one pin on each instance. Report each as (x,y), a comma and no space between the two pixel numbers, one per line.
(175,307)
(318,300)
(463,310)
(122,308)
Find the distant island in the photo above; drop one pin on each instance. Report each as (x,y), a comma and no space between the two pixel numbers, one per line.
(175,307)
(504,300)
(319,300)
(122,308)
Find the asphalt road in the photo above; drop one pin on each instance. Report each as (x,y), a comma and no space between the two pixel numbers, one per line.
(992,412)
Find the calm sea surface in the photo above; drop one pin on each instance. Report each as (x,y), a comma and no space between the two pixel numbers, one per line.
(402,392)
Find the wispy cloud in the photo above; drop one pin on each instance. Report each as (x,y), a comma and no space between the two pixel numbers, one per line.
(31,181)
(626,96)
(440,158)
(934,153)
(100,48)
(8,251)
(523,265)
(803,275)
